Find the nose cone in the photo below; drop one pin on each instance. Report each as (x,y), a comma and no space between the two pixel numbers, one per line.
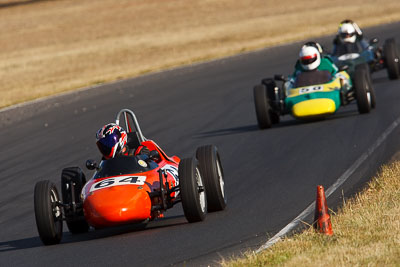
(313,108)
(117,205)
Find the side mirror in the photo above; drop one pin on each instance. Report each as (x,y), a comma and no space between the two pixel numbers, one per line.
(279,77)
(373,41)
(154,155)
(91,164)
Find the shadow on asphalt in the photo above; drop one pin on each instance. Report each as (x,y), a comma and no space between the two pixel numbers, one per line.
(286,123)
(33,242)
(228,131)
(343,114)
(245,129)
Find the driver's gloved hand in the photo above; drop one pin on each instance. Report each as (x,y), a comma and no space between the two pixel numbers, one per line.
(144,151)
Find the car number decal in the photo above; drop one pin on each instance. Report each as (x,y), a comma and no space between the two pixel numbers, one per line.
(310,89)
(121,180)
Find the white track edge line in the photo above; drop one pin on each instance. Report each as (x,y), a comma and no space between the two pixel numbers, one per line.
(295,222)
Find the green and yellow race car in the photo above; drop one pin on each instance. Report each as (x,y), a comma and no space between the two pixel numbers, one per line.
(312,95)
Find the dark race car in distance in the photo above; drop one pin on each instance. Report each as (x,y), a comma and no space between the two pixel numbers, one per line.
(376,58)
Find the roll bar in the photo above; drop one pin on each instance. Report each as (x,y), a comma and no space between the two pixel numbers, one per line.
(125,113)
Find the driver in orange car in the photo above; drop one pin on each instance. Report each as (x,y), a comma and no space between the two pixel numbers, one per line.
(112,141)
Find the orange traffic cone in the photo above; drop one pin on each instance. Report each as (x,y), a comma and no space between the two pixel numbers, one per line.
(322,220)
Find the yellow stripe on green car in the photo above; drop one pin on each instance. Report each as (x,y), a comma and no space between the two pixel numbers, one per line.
(315,100)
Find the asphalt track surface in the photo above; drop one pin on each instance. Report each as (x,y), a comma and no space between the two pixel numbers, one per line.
(271,175)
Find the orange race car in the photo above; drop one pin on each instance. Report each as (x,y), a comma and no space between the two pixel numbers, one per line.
(130,189)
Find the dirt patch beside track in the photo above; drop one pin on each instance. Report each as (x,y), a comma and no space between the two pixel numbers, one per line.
(48,47)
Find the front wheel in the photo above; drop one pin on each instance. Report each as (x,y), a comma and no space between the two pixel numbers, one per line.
(392,61)
(48,212)
(370,86)
(362,91)
(213,175)
(192,191)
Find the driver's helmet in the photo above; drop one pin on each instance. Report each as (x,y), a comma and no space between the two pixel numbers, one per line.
(347,32)
(316,45)
(111,138)
(310,58)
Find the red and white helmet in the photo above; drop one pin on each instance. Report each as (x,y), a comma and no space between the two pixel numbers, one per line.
(310,58)
(111,138)
(347,32)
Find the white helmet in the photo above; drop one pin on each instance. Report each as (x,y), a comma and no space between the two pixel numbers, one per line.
(316,45)
(347,32)
(310,58)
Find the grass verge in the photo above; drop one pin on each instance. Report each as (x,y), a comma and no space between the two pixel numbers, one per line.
(366,232)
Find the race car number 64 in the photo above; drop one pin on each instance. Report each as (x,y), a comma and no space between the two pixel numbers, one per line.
(310,89)
(121,180)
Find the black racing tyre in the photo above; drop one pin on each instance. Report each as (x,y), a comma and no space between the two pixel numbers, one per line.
(48,213)
(213,176)
(391,54)
(273,99)
(262,107)
(365,67)
(370,86)
(192,191)
(361,89)
(73,176)
(275,119)
(371,91)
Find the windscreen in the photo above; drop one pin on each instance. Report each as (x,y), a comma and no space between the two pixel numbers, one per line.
(312,78)
(124,165)
(346,48)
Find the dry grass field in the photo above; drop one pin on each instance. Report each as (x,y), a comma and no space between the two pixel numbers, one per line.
(366,232)
(54,46)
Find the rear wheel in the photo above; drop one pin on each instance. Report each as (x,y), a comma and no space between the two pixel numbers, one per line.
(273,98)
(275,119)
(391,54)
(362,91)
(48,212)
(263,108)
(193,195)
(213,175)
(72,182)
